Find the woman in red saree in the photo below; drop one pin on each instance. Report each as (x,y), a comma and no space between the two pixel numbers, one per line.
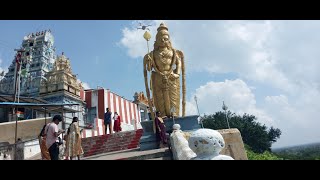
(117,123)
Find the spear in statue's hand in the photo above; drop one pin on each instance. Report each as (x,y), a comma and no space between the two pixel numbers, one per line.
(147,37)
(147,62)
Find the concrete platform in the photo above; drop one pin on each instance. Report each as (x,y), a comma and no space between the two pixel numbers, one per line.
(148,139)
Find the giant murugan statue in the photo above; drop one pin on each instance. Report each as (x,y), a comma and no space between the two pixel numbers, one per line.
(166,65)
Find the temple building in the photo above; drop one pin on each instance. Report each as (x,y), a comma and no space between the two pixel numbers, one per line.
(60,85)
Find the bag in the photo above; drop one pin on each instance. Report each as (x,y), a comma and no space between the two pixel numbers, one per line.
(60,141)
(65,137)
(42,131)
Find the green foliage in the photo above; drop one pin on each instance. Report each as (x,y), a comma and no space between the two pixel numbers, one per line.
(264,156)
(253,133)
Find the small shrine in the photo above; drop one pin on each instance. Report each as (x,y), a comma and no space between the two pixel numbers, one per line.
(141,100)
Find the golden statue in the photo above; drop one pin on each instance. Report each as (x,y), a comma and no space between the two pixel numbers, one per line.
(165,64)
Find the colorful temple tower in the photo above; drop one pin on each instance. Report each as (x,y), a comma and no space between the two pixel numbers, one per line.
(37,59)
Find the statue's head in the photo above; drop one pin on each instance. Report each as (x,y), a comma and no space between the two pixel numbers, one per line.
(206,142)
(162,37)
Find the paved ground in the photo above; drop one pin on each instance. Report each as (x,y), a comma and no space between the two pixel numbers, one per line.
(35,157)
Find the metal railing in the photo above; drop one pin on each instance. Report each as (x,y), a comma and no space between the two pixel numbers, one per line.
(12,148)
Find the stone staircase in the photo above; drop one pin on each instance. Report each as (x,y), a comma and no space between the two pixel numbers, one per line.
(134,154)
(110,143)
(119,146)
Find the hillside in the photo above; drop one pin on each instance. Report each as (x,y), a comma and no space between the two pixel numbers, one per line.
(300,152)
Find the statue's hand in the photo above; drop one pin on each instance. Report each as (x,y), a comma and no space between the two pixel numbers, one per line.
(148,62)
(174,76)
(147,58)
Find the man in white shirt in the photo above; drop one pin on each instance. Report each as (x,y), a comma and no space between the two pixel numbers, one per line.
(52,132)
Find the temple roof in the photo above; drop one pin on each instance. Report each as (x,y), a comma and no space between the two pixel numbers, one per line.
(36,104)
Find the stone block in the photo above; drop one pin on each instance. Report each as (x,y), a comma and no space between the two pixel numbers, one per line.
(234,145)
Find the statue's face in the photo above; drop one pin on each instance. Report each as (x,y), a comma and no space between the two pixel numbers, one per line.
(164,41)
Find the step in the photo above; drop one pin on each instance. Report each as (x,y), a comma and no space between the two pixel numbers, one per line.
(133,155)
(161,158)
(110,153)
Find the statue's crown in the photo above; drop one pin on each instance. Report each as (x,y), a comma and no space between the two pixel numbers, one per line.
(162,26)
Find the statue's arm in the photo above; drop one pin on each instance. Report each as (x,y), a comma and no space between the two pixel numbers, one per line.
(177,71)
(178,65)
(147,60)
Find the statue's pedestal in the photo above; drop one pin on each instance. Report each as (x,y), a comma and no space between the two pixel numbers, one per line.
(148,140)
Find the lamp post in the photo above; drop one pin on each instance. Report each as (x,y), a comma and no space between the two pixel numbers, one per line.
(1,75)
(17,72)
(224,107)
(196,99)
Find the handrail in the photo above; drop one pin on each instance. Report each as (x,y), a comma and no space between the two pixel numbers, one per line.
(19,143)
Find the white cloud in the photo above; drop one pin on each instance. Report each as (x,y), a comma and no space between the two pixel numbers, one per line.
(85,85)
(277,56)
(133,39)
(134,42)
(235,93)
(297,120)
(191,108)
(241,47)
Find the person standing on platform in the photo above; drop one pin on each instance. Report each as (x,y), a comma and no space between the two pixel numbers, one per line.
(107,121)
(73,140)
(52,133)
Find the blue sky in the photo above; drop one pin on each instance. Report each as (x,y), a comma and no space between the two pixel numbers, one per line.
(91,46)
(265,68)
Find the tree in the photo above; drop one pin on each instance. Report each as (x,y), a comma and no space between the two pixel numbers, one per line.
(253,133)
